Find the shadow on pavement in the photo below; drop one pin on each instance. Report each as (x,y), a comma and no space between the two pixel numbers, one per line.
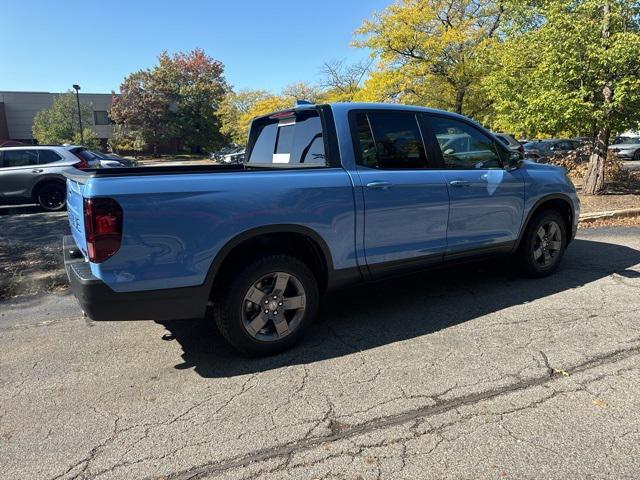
(378,314)
(31,225)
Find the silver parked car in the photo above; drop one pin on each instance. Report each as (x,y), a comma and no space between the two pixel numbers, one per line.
(34,174)
(628,148)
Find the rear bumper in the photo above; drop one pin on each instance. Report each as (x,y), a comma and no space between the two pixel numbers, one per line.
(100,302)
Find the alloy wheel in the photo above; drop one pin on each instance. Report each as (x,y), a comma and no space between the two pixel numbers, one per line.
(274,306)
(547,243)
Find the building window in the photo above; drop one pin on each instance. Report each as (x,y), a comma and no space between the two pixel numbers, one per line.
(101,117)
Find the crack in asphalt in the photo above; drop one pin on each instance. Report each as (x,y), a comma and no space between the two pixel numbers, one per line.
(441,406)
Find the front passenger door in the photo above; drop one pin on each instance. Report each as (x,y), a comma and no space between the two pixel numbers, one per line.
(486,200)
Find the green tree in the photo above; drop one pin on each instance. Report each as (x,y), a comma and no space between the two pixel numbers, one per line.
(59,123)
(124,140)
(431,52)
(233,109)
(571,67)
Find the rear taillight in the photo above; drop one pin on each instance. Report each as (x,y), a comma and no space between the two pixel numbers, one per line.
(103,228)
(82,163)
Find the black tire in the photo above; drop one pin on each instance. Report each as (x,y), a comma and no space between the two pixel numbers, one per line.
(52,197)
(232,310)
(532,254)
(636,156)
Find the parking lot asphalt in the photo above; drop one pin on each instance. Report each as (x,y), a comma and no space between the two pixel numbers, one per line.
(470,372)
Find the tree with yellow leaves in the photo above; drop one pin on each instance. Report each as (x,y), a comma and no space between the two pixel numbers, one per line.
(431,52)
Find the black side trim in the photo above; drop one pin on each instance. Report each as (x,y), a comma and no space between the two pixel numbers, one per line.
(475,253)
(100,302)
(407,265)
(532,211)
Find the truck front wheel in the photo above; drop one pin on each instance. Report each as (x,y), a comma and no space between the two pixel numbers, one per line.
(543,244)
(267,305)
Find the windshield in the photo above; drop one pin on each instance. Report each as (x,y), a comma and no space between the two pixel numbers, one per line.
(294,140)
(629,140)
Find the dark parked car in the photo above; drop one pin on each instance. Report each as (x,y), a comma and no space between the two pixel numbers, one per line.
(540,150)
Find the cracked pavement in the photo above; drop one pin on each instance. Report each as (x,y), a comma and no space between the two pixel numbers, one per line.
(470,372)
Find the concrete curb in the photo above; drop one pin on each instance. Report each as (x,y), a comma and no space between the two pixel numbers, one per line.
(628,212)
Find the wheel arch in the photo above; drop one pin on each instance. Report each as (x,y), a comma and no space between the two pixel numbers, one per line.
(46,180)
(280,238)
(561,203)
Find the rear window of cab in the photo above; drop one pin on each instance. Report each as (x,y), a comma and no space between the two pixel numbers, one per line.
(294,139)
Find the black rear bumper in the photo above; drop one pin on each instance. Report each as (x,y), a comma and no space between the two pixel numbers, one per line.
(100,302)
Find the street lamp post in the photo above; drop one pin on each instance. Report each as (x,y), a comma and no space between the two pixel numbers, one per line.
(77,89)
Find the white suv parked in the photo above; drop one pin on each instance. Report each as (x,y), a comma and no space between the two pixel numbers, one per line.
(34,174)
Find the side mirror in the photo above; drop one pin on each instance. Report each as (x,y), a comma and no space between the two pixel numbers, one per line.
(514,160)
(449,151)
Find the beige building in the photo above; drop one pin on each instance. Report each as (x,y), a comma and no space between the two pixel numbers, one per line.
(17,110)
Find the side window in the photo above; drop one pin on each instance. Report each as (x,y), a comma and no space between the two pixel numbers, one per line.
(390,140)
(294,140)
(19,158)
(47,156)
(463,146)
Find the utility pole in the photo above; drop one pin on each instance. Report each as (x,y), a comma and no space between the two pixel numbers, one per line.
(77,89)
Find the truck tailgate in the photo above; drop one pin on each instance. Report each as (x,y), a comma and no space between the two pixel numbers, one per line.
(75,211)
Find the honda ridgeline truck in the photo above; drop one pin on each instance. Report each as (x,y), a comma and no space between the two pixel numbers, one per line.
(328,195)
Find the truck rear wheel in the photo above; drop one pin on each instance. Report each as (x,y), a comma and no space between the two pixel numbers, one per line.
(266,307)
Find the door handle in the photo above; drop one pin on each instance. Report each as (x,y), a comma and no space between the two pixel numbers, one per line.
(459,183)
(37,170)
(379,185)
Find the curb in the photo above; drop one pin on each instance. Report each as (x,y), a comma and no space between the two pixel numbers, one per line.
(628,212)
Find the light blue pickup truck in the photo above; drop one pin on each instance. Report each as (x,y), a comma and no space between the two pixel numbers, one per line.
(329,195)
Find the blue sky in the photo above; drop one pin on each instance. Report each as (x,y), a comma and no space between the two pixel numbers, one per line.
(48,46)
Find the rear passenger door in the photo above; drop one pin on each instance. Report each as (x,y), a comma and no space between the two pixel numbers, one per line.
(486,200)
(405,201)
(17,170)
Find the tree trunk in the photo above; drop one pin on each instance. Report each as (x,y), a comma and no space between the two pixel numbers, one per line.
(459,100)
(594,179)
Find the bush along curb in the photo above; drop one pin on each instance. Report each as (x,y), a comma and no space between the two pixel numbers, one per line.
(628,212)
